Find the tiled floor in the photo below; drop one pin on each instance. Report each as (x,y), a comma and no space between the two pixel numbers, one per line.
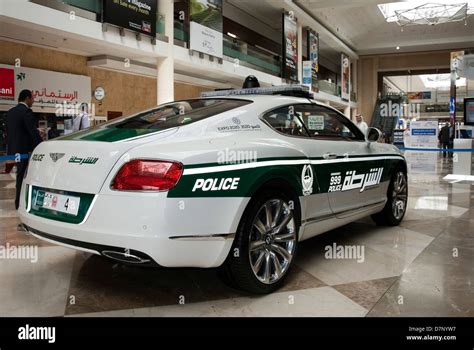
(424,267)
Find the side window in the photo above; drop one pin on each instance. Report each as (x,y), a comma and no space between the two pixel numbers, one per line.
(324,123)
(286,120)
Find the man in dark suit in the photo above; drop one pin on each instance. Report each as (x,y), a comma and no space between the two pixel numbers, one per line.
(444,138)
(22,135)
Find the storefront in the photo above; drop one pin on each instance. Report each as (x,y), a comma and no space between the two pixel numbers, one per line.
(58,96)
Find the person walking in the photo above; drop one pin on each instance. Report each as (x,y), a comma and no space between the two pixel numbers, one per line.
(361,124)
(444,138)
(22,135)
(81,121)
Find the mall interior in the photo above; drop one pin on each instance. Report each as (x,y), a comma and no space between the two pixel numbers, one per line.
(402,66)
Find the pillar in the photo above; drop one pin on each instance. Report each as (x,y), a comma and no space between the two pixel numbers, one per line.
(300,52)
(165,64)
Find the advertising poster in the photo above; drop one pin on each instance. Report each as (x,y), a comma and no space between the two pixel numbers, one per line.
(49,89)
(345,78)
(313,54)
(136,15)
(290,48)
(307,73)
(206,26)
(419,95)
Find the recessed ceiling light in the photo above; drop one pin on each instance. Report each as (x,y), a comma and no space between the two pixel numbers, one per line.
(398,47)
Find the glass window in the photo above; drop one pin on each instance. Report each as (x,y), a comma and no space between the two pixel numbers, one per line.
(324,123)
(287,121)
(176,114)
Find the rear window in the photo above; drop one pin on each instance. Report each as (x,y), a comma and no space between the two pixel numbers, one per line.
(177,114)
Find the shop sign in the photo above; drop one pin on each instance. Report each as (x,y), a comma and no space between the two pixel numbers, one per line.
(7,84)
(50,89)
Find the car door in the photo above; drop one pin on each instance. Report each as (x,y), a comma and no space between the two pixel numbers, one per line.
(347,167)
(286,120)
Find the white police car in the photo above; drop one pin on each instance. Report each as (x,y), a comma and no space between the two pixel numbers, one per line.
(236,179)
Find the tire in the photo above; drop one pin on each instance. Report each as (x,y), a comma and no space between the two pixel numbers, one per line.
(397,199)
(263,269)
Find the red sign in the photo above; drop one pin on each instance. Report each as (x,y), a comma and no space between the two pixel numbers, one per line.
(7,83)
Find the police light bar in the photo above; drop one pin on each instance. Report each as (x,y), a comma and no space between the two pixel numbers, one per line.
(286,90)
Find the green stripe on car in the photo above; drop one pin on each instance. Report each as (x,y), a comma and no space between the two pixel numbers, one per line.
(107,135)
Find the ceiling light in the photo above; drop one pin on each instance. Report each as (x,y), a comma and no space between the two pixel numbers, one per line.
(398,47)
(440,81)
(426,12)
(232,35)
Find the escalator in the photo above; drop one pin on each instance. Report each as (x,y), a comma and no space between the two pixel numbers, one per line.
(386,114)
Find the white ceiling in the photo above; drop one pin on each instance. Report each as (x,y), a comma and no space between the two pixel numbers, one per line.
(414,83)
(25,34)
(361,25)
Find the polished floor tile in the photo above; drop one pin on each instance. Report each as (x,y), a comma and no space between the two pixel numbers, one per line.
(387,252)
(317,302)
(424,267)
(39,288)
(366,293)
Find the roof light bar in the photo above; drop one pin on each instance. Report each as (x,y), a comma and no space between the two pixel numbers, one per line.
(286,90)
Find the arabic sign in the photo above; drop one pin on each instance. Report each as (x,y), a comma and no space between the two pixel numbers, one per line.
(80,161)
(290,48)
(352,181)
(206,26)
(346,77)
(49,88)
(136,15)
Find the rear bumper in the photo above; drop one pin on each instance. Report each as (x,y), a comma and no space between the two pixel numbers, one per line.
(170,232)
(130,256)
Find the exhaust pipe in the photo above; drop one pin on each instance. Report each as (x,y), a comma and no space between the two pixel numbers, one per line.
(124,257)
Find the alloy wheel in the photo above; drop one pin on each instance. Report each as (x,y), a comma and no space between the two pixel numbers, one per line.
(272,241)
(399,195)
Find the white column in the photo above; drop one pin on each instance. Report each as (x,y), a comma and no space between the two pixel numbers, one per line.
(165,65)
(300,52)
(347,112)
(355,75)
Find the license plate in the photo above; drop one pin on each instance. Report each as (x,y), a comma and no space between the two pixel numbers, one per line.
(59,202)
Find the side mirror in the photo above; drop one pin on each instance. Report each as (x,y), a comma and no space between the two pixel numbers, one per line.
(374,135)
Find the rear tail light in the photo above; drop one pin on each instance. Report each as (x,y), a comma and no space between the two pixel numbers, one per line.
(147,175)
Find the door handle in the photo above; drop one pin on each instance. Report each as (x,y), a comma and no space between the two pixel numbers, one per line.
(330,156)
